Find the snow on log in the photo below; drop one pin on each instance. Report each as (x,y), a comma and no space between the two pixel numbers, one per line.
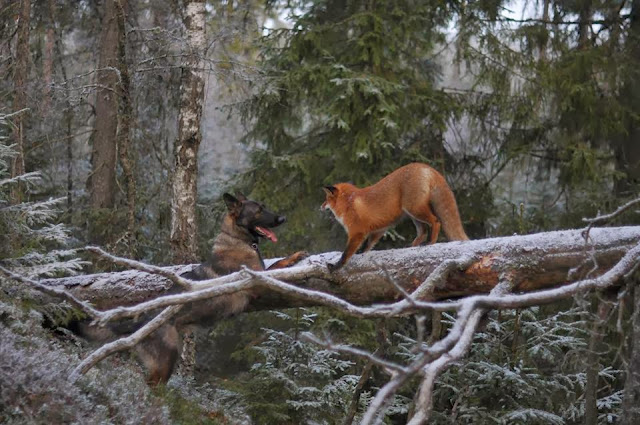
(532,262)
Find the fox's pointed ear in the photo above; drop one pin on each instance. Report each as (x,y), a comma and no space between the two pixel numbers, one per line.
(231,201)
(240,196)
(330,190)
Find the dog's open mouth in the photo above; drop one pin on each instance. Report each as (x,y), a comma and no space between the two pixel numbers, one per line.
(266,233)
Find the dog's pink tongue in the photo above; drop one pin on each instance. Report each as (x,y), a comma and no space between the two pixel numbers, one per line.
(268,234)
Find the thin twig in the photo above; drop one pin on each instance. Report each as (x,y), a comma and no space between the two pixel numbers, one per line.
(347,349)
(606,217)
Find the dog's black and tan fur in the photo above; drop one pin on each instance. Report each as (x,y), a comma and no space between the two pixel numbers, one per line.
(235,246)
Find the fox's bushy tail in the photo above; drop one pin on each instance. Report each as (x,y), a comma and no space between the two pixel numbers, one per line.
(446,209)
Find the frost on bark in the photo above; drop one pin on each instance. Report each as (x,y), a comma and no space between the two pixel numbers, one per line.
(184,187)
(102,181)
(531,262)
(20,96)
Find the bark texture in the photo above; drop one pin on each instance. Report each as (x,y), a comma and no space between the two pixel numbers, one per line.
(124,127)
(102,182)
(183,200)
(47,62)
(631,403)
(531,262)
(627,149)
(20,75)
(598,332)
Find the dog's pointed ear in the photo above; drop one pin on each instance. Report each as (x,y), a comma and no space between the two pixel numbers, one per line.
(231,202)
(240,196)
(330,190)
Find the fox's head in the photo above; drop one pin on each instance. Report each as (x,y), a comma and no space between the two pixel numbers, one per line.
(331,196)
(337,197)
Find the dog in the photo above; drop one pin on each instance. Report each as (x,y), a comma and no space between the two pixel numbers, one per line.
(243,226)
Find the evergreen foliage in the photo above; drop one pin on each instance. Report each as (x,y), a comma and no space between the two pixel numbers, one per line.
(528,367)
(349,94)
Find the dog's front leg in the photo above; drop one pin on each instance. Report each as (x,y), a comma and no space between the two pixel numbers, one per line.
(289,261)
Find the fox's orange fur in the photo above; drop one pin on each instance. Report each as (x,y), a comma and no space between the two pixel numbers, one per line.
(415,190)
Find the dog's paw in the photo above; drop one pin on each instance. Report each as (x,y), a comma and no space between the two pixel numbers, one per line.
(300,255)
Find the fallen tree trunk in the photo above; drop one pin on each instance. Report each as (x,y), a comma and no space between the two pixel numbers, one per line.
(529,262)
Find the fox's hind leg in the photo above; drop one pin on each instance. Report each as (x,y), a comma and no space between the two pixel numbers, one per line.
(421,229)
(421,219)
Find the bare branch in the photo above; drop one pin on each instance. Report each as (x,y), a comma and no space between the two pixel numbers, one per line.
(53,291)
(432,370)
(173,300)
(439,275)
(173,277)
(123,343)
(425,396)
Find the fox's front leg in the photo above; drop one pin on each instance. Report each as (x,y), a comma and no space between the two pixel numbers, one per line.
(353,243)
(289,261)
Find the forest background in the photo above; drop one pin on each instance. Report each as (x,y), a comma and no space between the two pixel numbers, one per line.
(114,112)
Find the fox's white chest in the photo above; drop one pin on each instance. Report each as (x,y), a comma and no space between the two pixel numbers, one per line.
(338,218)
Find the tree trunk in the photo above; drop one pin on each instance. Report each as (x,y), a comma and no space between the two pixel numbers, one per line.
(184,229)
(545,39)
(628,161)
(602,309)
(102,182)
(68,111)
(20,76)
(47,63)
(627,149)
(532,262)
(125,117)
(631,402)
(584,26)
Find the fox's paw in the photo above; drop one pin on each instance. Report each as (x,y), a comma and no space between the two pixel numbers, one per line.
(333,266)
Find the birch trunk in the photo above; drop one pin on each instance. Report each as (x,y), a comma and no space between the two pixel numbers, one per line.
(184,189)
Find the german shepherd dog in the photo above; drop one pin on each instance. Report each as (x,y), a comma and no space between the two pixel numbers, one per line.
(245,223)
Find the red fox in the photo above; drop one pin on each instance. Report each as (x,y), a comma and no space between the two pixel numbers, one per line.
(416,190)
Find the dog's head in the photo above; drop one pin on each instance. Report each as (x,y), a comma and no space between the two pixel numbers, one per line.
(253,216)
